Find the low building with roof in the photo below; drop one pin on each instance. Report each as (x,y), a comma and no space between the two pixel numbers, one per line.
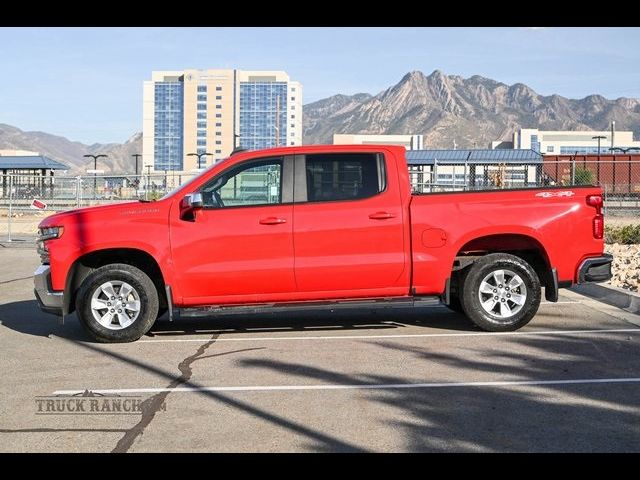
(32,172)
(437,170)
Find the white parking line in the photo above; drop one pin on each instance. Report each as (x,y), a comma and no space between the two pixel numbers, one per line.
(259,388)
(417,335)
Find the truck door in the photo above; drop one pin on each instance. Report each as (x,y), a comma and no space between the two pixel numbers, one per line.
(239,247)
(348,226)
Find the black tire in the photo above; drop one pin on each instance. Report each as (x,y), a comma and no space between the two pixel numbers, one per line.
(145,289)
(496,322)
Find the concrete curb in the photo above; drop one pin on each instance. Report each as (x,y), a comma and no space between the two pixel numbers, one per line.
(617,297)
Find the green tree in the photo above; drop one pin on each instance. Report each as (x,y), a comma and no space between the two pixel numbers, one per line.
(583,176)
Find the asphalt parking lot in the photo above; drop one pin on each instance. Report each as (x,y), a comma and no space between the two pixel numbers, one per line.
(386,381)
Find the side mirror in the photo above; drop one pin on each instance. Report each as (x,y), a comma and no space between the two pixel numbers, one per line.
(194,200)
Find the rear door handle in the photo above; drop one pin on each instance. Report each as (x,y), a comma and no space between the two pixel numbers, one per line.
(272,221)
(381,216)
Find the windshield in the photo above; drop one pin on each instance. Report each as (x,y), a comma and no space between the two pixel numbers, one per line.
(189,182)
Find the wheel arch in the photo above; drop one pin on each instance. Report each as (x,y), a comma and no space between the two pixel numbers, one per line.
(522,245)
(87,263)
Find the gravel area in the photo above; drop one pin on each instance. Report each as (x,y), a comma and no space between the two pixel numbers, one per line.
(626,266)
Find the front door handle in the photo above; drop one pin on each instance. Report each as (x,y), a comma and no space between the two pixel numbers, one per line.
(272,221)
(381,216)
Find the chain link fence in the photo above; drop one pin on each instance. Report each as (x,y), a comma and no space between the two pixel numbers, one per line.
(18,193)
(620,181)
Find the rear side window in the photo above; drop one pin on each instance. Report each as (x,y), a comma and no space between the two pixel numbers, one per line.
(344,176)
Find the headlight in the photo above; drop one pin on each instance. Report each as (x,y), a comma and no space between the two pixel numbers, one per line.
(47,233)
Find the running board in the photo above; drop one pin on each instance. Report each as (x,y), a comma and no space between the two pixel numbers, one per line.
(204,311)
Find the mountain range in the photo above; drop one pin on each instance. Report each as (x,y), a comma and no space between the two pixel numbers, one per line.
(444,108)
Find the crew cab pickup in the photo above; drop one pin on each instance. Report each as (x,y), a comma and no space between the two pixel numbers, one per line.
(318,226)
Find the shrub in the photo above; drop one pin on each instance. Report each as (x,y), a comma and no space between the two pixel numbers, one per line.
(583,176)
(627,235)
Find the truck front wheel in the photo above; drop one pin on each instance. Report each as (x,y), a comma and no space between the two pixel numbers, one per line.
(117,303)
(501,293)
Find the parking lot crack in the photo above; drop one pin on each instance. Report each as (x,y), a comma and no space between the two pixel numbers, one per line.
(152,405)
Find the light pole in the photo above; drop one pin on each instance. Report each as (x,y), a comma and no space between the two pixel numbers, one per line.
(95,167)
(137,157)
(598,137)
(625,150)
(199,155)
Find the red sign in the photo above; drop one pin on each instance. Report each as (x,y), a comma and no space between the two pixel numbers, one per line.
(38,205)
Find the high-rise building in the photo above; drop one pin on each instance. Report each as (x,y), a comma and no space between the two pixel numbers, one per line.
(214,111)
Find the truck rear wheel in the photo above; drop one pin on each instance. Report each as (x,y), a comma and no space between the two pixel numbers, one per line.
(117,303)
(501,293)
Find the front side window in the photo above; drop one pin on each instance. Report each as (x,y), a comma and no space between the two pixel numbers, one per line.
(258,183)
(348,176)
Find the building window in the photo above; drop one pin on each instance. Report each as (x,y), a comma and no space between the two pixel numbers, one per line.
(202,125)
(202,106)
(293,134)
(202,115)
(218,115)
(292,117)
(218,88)
(218,142)
(202,88)
(293,89)
(202,142)
(201,150)
(202,133)
(218,124)
(293,143)
(218,106)
(550,149)
(293,107)
(218,134)
(218,151)
(293,99)
(202,98)
(535,144)
(218,97)
(293,125)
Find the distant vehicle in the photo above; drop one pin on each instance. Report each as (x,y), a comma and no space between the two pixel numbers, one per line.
(323,226)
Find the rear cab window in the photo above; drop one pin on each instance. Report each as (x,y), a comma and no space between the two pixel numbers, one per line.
(344,176)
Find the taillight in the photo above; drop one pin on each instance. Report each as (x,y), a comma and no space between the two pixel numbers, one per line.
(598,226)
(595,201)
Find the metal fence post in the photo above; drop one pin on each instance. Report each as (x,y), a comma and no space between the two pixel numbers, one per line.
(78,191)
(573,171)
(10,208)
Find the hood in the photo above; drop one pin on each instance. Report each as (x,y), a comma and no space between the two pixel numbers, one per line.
(101,212)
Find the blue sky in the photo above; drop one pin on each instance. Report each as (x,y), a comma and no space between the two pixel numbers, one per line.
(86,83)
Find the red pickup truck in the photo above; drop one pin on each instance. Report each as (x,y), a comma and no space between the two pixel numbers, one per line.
(319,226)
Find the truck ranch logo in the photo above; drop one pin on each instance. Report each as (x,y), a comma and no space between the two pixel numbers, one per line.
(90,403)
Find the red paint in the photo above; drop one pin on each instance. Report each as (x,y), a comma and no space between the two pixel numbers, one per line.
(383,245)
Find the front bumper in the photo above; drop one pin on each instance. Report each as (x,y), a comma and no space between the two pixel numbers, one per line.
(49,301)
(595,269)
